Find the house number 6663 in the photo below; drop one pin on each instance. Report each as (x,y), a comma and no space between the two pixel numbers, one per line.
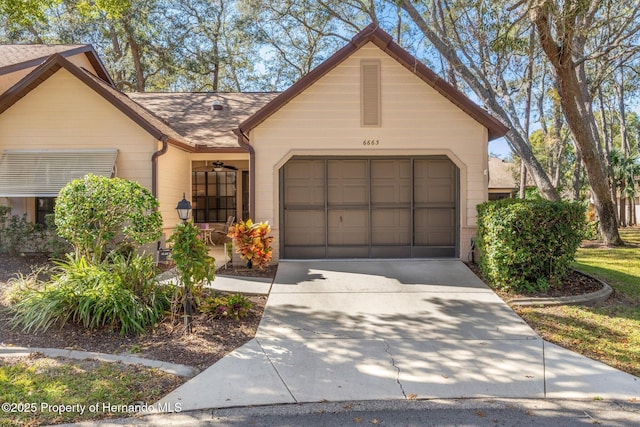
(369,142)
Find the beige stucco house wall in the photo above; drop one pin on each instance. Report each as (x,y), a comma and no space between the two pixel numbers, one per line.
(174,179)
(325,120)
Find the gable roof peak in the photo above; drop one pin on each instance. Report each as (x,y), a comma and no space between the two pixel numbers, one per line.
(383,40)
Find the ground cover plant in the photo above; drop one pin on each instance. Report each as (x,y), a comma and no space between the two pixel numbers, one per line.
(608,332)
(41,390)
(120,293)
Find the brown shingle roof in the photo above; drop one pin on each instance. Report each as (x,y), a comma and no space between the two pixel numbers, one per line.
(501,174)
(372,33)
(14,57)
(191,114)
(12,54)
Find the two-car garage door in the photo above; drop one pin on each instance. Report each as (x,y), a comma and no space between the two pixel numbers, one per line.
(334,207)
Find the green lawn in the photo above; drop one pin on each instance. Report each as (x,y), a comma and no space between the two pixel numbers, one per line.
(41,390)
(609,332)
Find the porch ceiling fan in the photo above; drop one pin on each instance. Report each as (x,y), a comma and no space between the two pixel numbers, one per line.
(218,166)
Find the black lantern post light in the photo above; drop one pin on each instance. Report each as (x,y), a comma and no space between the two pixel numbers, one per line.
(184,209)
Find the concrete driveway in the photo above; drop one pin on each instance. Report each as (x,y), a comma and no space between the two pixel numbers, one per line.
(401,329)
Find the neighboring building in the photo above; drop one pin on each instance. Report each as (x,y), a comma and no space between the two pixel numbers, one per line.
(502,179)
(369,155)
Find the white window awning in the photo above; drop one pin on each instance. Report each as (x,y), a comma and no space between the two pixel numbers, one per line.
(43,173)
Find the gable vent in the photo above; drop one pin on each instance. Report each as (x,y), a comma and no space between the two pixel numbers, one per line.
(370,92)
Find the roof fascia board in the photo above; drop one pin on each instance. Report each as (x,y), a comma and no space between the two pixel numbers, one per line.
(101,70)
(372,33)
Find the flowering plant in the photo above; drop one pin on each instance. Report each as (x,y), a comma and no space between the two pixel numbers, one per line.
(252,242)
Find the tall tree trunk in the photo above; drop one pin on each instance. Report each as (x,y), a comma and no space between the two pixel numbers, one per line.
(580,120)
(623,208)
(607,150)
(523,181)
(577,176)
(136,55)
(623,120)
(527,114)
(517,140)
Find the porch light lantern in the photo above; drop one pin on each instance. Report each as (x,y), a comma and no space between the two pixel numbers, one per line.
(183,208)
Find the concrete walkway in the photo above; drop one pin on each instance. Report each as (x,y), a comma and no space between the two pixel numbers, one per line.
(401,329)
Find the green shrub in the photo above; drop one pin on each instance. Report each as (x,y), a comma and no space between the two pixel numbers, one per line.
(528,245)
(97,214)
(56,246)
(234,306)
(94,296)
(19,235)
(194,265)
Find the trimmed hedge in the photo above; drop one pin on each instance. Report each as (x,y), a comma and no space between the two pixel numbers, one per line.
(528,245)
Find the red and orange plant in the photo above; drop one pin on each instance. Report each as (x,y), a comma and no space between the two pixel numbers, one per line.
(252,242)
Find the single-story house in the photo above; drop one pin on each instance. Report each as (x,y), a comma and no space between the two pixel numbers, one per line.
(370,155)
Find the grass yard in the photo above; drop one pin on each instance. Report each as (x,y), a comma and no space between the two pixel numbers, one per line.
(40,390)
(609,332)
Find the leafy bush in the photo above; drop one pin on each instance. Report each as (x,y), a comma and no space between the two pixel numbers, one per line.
(528,245)
(117,294)
(95,213)
(56,246)
(191,256)
(19,235)
(252,242)
(194,264)
(234,306)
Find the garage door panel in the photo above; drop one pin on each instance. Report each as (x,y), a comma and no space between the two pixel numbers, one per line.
(348,252)
(304,252)
(391,227)
(434,182)
(304,182)
(350,193)
(348,227)
(391,182)
(305,227)
(434,227)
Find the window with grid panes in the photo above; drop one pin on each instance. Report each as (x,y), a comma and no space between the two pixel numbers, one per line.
(213,196)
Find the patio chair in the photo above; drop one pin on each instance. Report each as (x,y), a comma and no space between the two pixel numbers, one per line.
(224,233)
(227,225)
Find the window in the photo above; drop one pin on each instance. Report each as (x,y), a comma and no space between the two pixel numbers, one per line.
(44,207)
(213,196)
